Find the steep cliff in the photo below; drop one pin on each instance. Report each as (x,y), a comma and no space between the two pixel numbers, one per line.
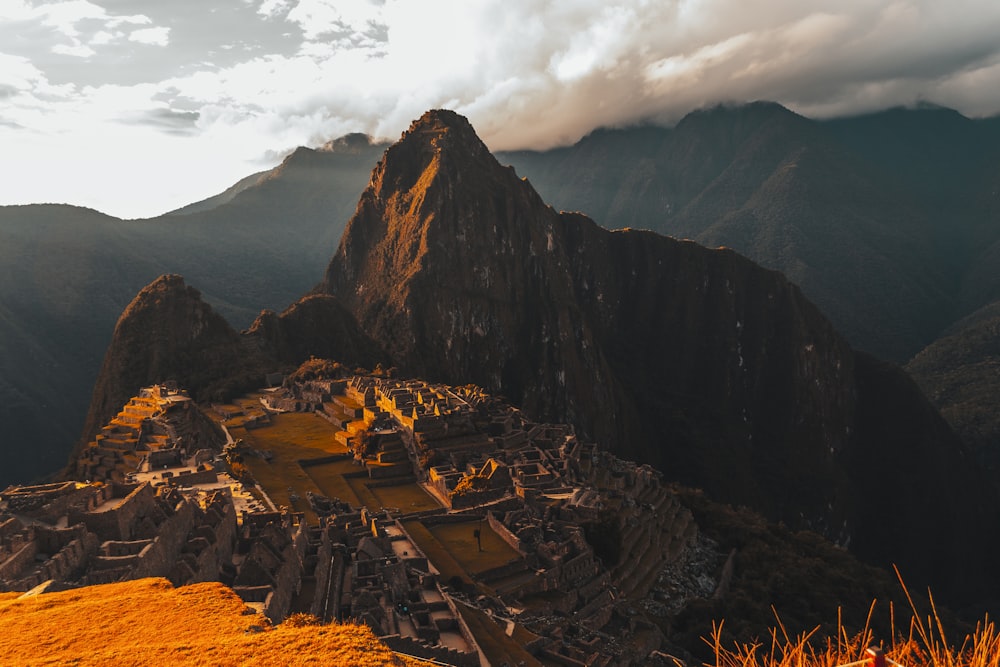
(315,326)
(168,333)
(698,361)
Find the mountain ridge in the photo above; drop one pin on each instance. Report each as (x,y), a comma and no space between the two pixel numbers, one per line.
(746,358)
(267,246)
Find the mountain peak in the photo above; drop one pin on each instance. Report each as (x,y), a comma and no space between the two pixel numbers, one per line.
(435,184)
(441,121)
(441,143)
(351,144)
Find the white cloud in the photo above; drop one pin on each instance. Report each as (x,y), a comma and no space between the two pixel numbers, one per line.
(526,73)
(274,8)
(152,36)
(76,50)
(320,17)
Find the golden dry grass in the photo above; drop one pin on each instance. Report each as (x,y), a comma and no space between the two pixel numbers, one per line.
(148,622)
(924,642)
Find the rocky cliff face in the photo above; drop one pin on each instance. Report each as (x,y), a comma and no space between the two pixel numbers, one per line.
(698,361)
(317,326)
(695,360)
(166,333)
(169,333)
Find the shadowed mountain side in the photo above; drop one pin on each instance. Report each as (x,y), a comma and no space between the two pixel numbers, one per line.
(316,326)
(960,374)
(66,274)
(875,218)
(716,371)
(922,488)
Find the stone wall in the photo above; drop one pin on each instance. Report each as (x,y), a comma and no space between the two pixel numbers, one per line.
(116,524)
(220,549)
(209,476)
(158,559)
(505,534)
(417,648)
(23,555)
(288,577)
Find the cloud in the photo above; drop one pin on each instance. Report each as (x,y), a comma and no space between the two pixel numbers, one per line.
(324,17)
(76,50)
(171,121)
(153,36)
(232,84)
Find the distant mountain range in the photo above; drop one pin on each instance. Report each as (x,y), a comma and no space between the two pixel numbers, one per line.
(888,222)
(716,371)
(68,272)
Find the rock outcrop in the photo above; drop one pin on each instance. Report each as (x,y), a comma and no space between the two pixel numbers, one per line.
(697,361)
(169,333)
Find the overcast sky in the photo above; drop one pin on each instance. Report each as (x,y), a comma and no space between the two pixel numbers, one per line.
(136,107)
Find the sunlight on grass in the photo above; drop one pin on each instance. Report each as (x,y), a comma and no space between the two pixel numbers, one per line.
(148,622)
(407,497)
(923,643)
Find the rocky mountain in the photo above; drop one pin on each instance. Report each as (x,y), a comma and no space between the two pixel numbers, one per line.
(886,221)
(718,372)
(960,373)
(877,218)
(67,273)
(169,333)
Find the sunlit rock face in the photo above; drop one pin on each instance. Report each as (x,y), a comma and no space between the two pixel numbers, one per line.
(698,361)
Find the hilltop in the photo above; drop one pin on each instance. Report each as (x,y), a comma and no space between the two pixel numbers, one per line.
(149,622)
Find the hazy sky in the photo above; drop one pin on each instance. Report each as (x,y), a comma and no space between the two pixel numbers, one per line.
(135,107)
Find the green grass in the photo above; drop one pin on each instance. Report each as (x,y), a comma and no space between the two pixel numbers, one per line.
(461,542)
(290,436)
(436,552)
(407,497)
(331,480)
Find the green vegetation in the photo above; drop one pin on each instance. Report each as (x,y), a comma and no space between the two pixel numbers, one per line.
(290,437)
(463,546)
(960,373)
